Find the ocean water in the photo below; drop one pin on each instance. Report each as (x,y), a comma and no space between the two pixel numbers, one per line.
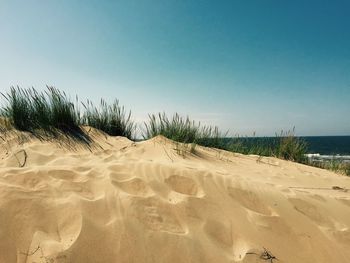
(328,148)
(319,147)
(328,145)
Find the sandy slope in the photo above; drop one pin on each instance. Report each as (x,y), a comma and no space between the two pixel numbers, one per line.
(144,202)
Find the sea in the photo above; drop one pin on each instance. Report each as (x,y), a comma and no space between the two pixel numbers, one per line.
(319,147)
(328,147)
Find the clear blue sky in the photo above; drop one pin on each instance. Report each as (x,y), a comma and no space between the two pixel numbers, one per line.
(243,65)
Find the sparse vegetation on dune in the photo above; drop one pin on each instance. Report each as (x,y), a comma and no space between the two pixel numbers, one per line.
(285,145)
(112,119)
(346,169)
(183,130)
(176,128)
(52,112)
(335,165)
(18,109)
(64,114)
(42,113)
(291,147)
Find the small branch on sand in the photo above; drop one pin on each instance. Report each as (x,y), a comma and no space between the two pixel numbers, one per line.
(259,159)
(25,158)
(265,255)
(321,188)
(31,253)
(168,155)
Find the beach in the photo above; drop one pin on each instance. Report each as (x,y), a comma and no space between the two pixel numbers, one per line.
(156,201)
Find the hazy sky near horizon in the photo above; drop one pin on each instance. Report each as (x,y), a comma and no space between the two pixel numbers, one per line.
(242,65)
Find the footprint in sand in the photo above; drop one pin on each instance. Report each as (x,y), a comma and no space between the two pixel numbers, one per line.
(342,236)
(183,185)
(249,200)
(50,245)
(272,224)
(157,215)
(318,197)
(133,186)
(219,232)
(68,175)
(311,211)
(84,190)
(345,201)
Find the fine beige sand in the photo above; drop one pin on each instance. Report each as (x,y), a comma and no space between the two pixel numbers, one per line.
(150,201)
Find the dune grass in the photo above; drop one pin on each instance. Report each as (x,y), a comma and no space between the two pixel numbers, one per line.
(252,145)
(64,114)
(291,147)
(18,109)
(36,112)
(285,145)
(346,169)
(112,119)
(177,128)
(335,165)
(182,129)
(51,112)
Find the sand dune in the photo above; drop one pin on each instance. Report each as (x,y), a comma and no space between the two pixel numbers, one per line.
(149,202)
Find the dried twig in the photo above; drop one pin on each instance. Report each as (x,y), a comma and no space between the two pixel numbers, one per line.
(321,188)
(265,255)
(25,158)
(168,154)
(31,253)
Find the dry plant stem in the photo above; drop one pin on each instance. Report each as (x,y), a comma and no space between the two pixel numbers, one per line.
(25,158)
(265,255)
(168,154)
(321,188)
(31,253)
